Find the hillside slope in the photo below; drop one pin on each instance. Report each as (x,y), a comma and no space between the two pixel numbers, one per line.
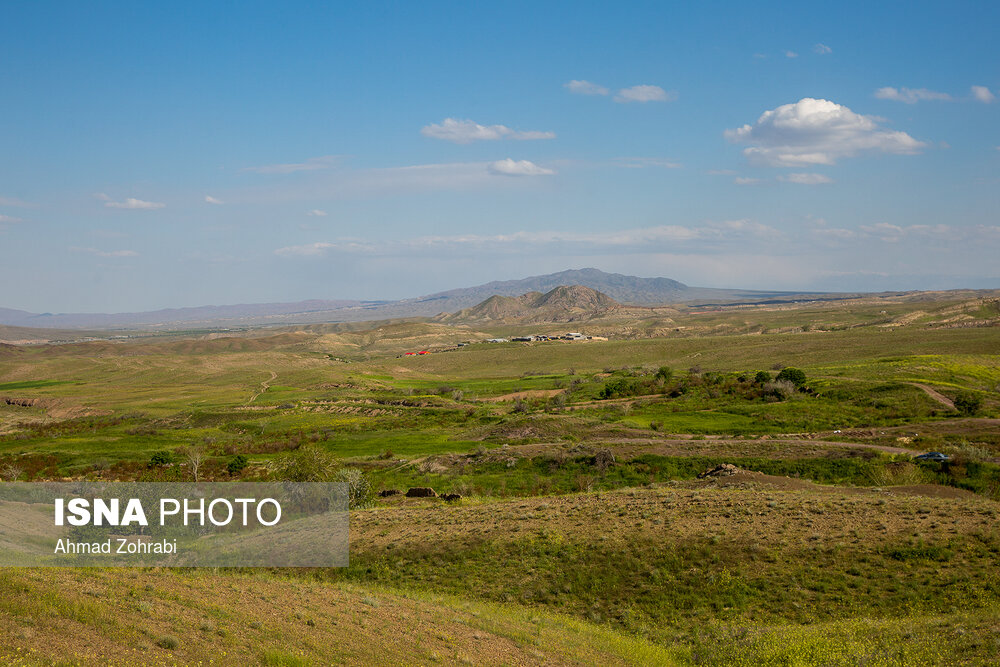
(560,304)
(170,618)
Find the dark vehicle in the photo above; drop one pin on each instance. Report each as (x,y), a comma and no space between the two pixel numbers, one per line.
(933,456)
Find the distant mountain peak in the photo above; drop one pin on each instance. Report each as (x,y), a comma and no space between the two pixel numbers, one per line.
(575,296)
(561,303)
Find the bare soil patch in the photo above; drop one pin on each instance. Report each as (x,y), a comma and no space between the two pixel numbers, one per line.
(533,393)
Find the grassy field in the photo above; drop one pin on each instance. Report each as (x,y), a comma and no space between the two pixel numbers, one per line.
(584,535)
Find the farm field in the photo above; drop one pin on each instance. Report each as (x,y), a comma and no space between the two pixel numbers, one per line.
(583,533)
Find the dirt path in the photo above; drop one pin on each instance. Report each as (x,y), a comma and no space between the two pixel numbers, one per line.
(531,393)
(933,393)
(818,444)
(675,446)
(263,387)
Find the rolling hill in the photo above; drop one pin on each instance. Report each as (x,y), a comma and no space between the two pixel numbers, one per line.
(560,304)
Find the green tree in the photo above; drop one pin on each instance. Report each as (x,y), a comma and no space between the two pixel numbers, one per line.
(236,465)
(793,375)
(619,388)
(968,403)
(161,458)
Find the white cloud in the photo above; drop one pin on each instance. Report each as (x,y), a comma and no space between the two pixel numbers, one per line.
(813,131)
(312,164)
(316,213)
(133,203)
(836,234)
(14,201)
(982,94)
(467,131)
(910,95)
(644,94)
(9,219)
(885,231)
(308,250)
(581,87)
(822,49)
(791,54)
(130,203)
(106,253)
(746,227)
(344,183)
(806,179)
(638,240)
(641,162)
(212,200)
(891,233)
(509,167)
(746,180)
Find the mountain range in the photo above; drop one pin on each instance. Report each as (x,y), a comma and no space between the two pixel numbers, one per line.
(620,288)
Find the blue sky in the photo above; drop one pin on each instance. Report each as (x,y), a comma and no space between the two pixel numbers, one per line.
(195,153)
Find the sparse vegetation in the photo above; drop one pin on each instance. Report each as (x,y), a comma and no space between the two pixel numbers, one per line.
(581,519)
(308,463)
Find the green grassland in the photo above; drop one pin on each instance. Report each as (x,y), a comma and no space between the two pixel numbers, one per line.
(584,535)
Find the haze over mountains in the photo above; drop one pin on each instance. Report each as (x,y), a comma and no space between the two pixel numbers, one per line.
(620,288)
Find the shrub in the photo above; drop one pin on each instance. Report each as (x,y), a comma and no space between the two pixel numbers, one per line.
(361,493)
(161,458)
(236,465)
(779,388)
(604,459)
(168,642)
(969,452)
(968,403)
(619,388)
(275,658)
(714,378)
(762,377)
(307,464)
(793,375)
(11,472)
(664,373)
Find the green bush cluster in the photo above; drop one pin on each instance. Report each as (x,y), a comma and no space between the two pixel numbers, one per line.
(968,403)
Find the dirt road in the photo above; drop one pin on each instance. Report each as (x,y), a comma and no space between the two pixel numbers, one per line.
(933,393)
(263,387)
